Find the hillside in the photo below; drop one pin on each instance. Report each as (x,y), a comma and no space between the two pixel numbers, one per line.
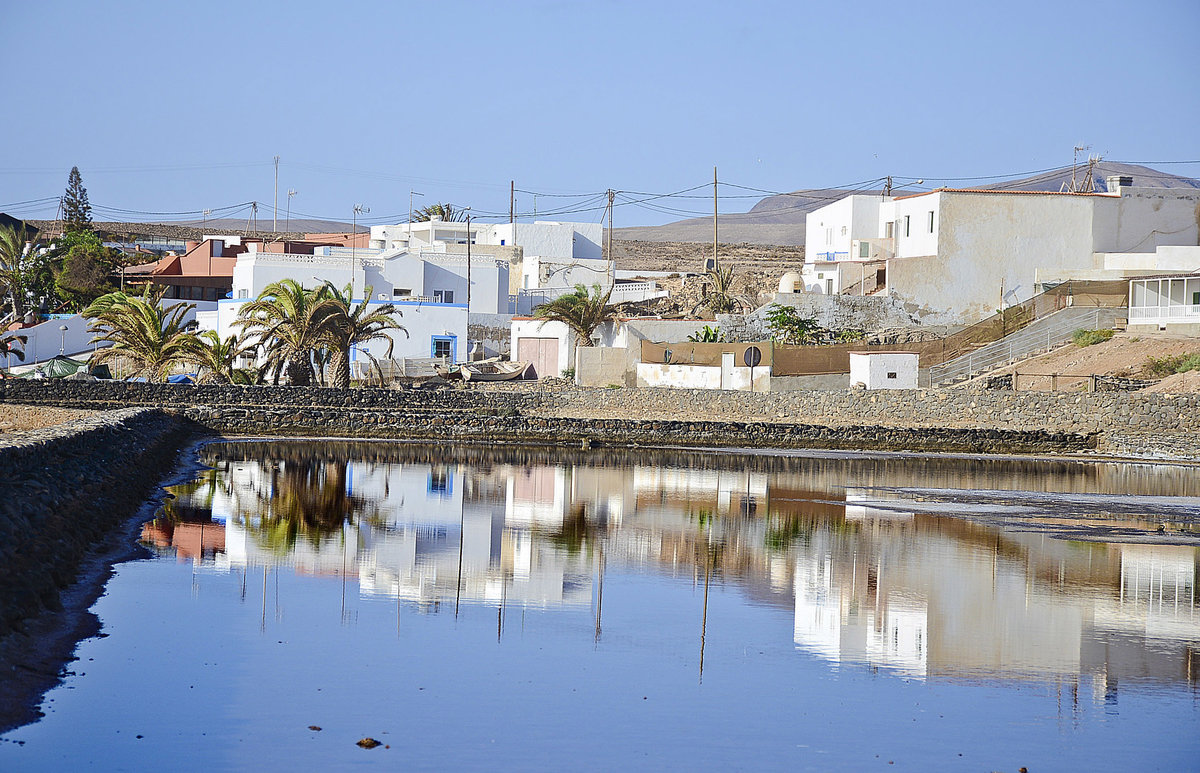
(780,219)
(1124,355)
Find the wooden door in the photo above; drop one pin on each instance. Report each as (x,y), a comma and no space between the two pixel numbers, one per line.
(541,353)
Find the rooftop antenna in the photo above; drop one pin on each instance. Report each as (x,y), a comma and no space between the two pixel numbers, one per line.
(1074,164)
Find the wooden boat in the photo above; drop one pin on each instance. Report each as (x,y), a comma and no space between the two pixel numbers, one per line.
(449,372)
(493,371)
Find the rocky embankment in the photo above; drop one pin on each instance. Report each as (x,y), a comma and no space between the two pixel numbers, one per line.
(65,488)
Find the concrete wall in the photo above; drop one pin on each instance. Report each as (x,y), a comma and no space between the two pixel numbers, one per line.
(884,370)
(654,374)
(599,366)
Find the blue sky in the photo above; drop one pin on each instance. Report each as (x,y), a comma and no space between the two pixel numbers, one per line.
(178,107)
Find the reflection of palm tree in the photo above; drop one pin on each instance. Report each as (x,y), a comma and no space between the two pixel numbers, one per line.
(307,499)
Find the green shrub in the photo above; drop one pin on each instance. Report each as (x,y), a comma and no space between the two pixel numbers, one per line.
(1161,367)
(1083,337)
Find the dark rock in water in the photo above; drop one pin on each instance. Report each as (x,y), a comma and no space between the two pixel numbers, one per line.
(368,743)
(314,727)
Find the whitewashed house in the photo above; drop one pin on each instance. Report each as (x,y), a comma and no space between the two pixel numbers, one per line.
(1168,303)
(958,255)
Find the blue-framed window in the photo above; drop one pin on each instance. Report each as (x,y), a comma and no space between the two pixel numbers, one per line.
(444,346)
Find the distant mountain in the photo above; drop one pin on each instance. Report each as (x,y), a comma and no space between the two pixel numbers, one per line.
(780,219)
(295,225)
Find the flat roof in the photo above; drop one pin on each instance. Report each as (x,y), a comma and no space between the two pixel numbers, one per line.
(1004,193)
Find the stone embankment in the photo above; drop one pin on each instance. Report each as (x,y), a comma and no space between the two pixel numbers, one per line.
(947,420)
(65,488)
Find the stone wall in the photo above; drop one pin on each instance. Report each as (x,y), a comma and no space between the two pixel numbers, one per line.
(65,488)
(922,408)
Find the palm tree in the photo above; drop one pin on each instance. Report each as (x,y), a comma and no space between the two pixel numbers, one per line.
(581,311)
(289,323)
(17,256)
(351,325)
(152,338)
(446,212)
(217,358)
(8,345)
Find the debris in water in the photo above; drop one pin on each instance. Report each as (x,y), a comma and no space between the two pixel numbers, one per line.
(368,743)
(314,727)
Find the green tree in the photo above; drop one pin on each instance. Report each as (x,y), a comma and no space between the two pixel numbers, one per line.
(77,212)
(788,327)
(217,358)
(26,277)
(446,212)
(289,323)
(581,311)
(85,268)
(351,325)
(149,337)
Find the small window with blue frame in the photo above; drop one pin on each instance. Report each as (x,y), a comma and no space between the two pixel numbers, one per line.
(443,347)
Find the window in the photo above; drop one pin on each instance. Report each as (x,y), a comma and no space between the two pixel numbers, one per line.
(864,249)
(443,347)
(243,293)
(887,229)
(931,221)
(843,230)
(1196,299)
(891,374)
(829,236)
(443,296)
(401,292)
(906,225)
(501,242)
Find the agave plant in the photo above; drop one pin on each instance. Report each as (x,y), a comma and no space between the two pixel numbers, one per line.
(151,338)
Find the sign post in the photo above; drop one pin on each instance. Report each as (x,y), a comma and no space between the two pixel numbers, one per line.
(752,357)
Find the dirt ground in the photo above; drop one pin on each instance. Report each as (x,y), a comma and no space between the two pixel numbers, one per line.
(1124,355)
(19,418)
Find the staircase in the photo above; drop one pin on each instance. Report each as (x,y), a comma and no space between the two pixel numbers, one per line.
(1040,336)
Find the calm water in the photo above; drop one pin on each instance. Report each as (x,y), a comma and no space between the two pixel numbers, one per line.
(516,609)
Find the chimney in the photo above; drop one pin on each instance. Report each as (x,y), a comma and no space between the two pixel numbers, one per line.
(1116,182)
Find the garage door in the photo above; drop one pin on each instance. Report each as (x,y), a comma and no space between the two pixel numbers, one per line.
(542,353)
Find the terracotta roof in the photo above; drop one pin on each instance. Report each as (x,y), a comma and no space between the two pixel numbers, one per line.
(985,190)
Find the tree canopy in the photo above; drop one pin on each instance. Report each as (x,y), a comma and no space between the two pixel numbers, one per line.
(581,311)
(447,212)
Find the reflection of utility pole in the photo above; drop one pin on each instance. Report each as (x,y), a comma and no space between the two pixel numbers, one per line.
(462,520)
(704,617)
(600,592)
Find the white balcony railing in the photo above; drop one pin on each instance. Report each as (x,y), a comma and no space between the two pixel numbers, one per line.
(1155,313)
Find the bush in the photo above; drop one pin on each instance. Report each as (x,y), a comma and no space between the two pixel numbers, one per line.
(1083,337)
(1161,367)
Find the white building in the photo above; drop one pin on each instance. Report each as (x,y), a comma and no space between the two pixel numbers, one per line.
(1170,303)
(958,255)
(884,370)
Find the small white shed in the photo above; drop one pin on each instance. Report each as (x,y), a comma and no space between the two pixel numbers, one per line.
(884,370)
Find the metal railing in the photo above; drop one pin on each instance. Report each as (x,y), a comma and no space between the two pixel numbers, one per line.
(1049,333)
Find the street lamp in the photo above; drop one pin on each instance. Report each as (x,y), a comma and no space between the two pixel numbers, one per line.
(287,224)
(358,210)
(62,341)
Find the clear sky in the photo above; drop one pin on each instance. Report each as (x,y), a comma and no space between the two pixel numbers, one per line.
(175,107)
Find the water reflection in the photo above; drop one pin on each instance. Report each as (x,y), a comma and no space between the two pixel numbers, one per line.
(866,553)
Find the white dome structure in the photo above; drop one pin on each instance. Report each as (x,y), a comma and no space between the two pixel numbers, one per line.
(791,283)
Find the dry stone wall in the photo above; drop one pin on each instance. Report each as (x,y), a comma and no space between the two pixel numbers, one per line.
(67,486)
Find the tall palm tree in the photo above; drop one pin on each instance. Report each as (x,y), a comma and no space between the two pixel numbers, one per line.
(217,358)
(288,322)
(152,338)
(582,311)
(351,325)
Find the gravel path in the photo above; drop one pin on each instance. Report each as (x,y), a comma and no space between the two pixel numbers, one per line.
(19,418)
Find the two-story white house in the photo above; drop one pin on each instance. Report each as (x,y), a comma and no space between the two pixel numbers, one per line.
(958,255)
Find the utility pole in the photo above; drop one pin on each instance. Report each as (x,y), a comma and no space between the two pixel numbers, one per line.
(358,209)
(275,204)
(468,276)
(512,199)
(716,265)
(611,261)
(887,186)
(288,223)
(411,193)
